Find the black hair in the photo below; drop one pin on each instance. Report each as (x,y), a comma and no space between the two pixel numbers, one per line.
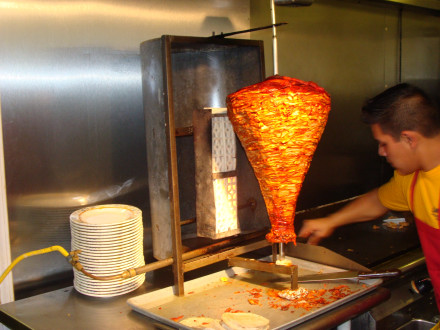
(403,107)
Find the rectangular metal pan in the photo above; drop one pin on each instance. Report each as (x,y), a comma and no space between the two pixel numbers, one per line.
(231,289)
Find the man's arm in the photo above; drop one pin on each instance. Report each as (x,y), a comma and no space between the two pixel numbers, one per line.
(366,207)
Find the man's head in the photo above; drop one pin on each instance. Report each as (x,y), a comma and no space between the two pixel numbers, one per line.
(403,107)
(401,118)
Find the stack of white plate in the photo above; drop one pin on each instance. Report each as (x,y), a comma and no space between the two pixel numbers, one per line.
(110,238)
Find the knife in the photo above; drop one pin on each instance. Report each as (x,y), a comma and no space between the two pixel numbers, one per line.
(348,275)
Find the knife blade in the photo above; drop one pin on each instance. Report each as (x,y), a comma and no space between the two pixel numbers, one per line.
(322,255)
(344,275)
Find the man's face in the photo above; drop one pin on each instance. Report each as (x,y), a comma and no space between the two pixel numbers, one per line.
(398,153)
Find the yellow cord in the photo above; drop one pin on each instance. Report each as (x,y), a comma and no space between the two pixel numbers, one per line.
(73,259)
(58,248)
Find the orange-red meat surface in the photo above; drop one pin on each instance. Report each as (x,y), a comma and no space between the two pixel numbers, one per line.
(279,122)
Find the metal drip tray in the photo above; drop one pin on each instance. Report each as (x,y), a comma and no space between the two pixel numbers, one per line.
(417,325)
(232,288)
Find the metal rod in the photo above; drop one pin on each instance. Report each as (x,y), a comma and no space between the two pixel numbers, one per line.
(269,267)
(274,252)
(281,250)
(173,174)
(187,221)
(274,38)
(222,35)
(200,251)
(223,255)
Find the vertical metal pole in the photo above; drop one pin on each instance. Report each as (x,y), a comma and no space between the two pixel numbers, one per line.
(275,72)
(399,25)
(274,252)
(173,176)
(282,254)
(274,38)
(7,287)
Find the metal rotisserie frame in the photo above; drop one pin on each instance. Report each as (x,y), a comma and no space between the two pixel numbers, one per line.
(180,75)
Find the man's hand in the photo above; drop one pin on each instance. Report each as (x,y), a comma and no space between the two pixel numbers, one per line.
(317,229)
(364,208)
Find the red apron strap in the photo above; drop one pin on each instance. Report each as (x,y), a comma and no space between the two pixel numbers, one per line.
(438,210)
(411,191)
(429,238)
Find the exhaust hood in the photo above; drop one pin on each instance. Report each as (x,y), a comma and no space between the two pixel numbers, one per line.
(428,4)
(293,3)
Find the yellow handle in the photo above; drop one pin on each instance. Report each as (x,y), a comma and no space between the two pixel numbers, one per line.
(58,248)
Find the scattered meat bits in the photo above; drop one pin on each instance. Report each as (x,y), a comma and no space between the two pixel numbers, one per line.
(230,310)
(178,318)
(394,225)
(307,299)
(254,302)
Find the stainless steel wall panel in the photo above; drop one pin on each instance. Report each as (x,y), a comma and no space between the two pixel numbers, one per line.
(74,134)
(421,51)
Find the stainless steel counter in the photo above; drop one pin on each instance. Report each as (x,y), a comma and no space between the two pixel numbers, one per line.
(68,309)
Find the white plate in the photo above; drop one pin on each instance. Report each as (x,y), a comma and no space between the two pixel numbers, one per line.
(104,270)
(112,267)
(112,244)
(104,261)
(109,291)
(91,226)
(106,232)
(99,230)
(85,280)
(137,232)
(95,284)
(92,284)
(105,215)
(110,264)
(117,247)
(91,259)
(116,259)
(109,272)
(81,226)
(111,237)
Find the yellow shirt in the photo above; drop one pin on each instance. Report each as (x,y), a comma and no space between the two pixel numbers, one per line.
(396,195)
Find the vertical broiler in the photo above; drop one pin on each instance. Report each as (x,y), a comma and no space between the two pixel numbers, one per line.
(197,93)
(279,122)
(183,76)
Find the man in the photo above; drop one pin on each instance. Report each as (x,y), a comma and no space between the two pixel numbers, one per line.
(406,125)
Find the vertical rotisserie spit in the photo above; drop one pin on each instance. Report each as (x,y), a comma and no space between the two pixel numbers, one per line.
(279,122)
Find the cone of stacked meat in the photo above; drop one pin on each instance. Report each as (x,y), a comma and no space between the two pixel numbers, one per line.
(279,123)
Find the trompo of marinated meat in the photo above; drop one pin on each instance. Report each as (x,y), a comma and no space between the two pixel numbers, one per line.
(279,122)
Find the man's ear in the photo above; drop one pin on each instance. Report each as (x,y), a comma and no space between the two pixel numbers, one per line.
(410,137)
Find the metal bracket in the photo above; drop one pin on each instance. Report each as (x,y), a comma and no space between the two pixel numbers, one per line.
(269,267)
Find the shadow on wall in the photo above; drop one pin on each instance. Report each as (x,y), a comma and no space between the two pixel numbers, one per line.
(217,25)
